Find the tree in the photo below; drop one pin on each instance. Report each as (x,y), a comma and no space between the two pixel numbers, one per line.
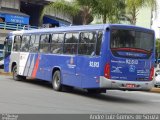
(83,17)
(157,48)
(133,7)
(108,10)
(85,14)
(61,6)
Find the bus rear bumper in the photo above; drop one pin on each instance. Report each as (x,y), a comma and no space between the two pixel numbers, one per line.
(126,85)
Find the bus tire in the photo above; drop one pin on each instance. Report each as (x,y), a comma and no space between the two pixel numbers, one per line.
(56,81)
(16,77)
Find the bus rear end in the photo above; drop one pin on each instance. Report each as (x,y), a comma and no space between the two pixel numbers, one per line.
(130,63)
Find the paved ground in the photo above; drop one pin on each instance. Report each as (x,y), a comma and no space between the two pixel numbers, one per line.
(38,97)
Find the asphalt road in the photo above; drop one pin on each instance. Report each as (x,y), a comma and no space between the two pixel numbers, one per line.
(38,97)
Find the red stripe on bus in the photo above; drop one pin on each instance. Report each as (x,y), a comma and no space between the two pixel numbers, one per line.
(35,68)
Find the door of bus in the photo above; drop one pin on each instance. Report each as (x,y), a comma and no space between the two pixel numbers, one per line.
(7,52)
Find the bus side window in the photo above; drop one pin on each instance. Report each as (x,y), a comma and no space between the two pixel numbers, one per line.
(99,41)
(44,43)
(34,43)
(71,43)
(87,43)
(31,46)
(17,43)
(25,43)
(57,43)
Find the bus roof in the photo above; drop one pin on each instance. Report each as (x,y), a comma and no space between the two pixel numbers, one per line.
(80,28)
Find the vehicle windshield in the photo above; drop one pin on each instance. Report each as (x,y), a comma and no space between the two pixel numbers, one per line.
(130,40)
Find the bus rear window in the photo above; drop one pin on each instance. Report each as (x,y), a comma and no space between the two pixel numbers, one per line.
(132,41)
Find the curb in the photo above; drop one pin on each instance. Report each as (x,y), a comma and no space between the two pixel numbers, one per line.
(155,90)
(3,73)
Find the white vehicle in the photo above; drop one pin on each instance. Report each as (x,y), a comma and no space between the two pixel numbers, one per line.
(157,78)
(2,62)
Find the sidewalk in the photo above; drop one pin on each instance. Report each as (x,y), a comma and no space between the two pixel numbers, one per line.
(4,73)
(155,90)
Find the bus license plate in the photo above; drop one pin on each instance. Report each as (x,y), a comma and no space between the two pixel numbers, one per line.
(130,85)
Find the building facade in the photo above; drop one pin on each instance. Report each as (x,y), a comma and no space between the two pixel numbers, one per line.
(10,12)
(10,17)
(57,18)
(51,17)
(17,14)
(28,12)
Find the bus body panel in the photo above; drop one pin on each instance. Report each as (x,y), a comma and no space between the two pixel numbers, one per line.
(44,70)
(29,65)
(73,72)
(130,69)
(33,66)
(67,62)
(88,71)
(15,59)
(24,63)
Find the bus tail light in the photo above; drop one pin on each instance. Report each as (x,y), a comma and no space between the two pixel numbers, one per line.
(107,71)
(151,73)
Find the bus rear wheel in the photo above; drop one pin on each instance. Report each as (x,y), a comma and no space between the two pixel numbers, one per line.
(56,81)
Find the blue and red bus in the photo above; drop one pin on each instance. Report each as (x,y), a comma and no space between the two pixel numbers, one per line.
(91,57)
